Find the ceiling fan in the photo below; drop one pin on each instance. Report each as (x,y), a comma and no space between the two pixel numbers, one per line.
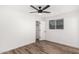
(40,9)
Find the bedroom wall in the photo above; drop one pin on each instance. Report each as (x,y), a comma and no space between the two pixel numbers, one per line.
(16,27)
(68,35)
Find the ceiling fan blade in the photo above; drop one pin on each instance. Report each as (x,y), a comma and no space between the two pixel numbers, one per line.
(34,12)
(33,7)
(46,7)
(46,12)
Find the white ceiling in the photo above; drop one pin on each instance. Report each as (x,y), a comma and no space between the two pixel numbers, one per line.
(58,9)
(54,9)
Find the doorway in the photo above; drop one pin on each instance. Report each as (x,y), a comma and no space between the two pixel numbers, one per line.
(37,31)
(40,30)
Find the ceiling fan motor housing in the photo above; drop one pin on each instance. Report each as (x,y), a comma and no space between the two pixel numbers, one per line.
(40,11)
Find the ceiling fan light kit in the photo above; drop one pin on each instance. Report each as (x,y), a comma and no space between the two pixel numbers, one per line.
(39,14)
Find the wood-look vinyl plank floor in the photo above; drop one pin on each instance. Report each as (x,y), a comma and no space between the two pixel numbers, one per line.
(44,47)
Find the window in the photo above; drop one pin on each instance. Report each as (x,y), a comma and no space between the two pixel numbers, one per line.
(52,24)
(59,24)
(56,24)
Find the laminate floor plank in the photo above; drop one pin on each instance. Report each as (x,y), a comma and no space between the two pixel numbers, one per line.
(44,47)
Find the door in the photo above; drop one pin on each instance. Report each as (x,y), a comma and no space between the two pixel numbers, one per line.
(40,30)
(37,31)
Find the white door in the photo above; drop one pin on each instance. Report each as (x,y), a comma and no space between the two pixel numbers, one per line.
(37,30)
(42,30)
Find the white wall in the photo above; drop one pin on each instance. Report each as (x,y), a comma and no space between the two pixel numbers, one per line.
(69,35)
(16,28)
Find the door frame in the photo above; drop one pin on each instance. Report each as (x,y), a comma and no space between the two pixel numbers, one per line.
(41,30)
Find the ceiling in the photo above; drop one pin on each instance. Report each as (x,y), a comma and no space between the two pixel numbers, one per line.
(58,9)
(54,9)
